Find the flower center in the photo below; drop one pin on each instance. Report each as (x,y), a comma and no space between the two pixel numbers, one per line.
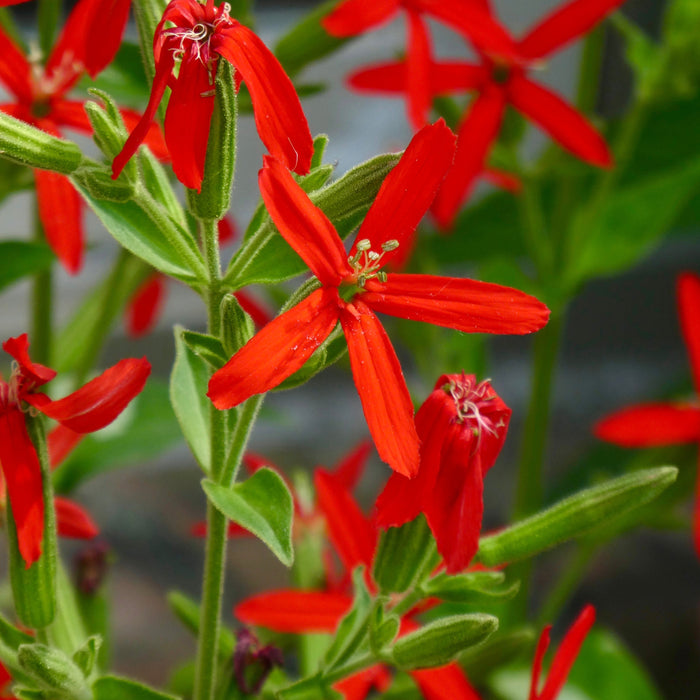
(470,398)
(367,263)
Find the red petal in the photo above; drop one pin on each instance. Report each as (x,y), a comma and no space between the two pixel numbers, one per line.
(651,425)
(276,351)
(455,506)
(444,683)
(688,288)
(278,114)
(542,646)
(73,521)
(502,179)
(382,389)
(71,114)
(409,188)
(445,77)
(349,470)
(154,136)
(100,401)
(567,653)
(143,309)
(477,132)
(164,67)
(60,211)
(359,685)
(187,121)
(562,122)
(227,230)
(418,64)
(105,33)
(466,305)
(61,441)
(15,71)
(294,611)
(32,372)
(563,25)
(351,533)
(303,225)
(22,472)
(403,499)
(357,16)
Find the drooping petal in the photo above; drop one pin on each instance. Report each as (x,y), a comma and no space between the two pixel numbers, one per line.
(302,224)
(455,506)
(567,653)
(73,521)
(294,611)
(560,120)
(352,534)
(164,67)
(357,16)
(22,472)
(348,471)
(102,46)
(15,71)
(359,685)
(279,117)
(444,683)
(563,25)
(276,351)
(403,499)
(651,424)
(100,401)
(143,309)
(32,372)
(385,399)
(688,290)
(409,188)
(60,211)
(465,305)
(187,121)
(154,138)
(540,651)
(61,441)
(391,78)
(477,132)
(418,64)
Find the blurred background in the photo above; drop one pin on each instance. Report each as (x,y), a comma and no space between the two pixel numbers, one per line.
(622,344)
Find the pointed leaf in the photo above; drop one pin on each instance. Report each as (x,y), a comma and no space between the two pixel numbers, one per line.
(113,688)
(263,505)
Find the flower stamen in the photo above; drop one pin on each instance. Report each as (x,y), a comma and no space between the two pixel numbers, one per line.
(367,263)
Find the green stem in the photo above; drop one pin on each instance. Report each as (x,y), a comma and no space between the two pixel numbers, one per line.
(529,491)
(567,583)
(42,305)
(535,228)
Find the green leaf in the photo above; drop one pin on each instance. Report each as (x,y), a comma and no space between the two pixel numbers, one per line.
(145,429)
(308,41)
(209,348)
(114,688)
(19,259)
(265,257)
(263,505)
(86,657)
(605,670)
(439,642)
(575,516)
(353,628)
(632,222)
(130,224)
(188,396)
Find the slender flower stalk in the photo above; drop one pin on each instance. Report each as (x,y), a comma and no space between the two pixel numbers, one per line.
(354,287)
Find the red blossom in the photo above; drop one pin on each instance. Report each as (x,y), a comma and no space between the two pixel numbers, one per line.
(196,35)
(563,659)
(90,408)
(462,426)
(88,42)
(667,423)
(354,287)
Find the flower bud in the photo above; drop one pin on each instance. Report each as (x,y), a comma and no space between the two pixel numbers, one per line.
(53,671)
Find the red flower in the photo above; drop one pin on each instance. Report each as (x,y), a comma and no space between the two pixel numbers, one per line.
(88,42)
(90,408)
(563,659)
(353,287)
(462,426)
(200,35)
(669,423)
(357,16)
(354,537)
